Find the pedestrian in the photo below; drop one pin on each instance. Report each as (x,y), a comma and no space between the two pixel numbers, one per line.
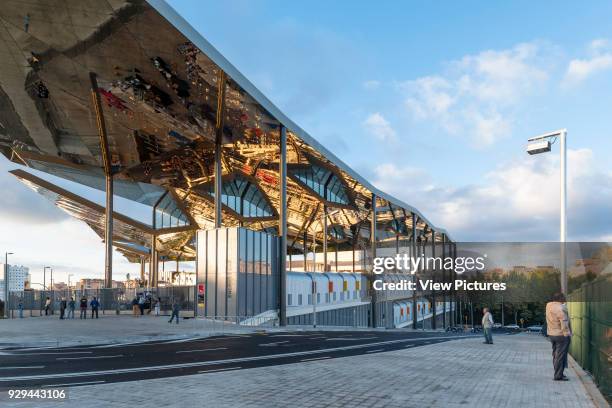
(141,304)
(559,333)
(83,305)
(176,308)
(94,307)
(20,308)
(47,305)
(71,306)
(157,307)
(487,325)
(62,308)
(135,308)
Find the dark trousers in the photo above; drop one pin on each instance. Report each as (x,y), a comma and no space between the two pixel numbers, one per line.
(560,347)
(174,314)
(62,311)
(83,313)
(141,307)
(94,310)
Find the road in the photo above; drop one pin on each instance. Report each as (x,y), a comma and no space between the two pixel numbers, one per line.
(85,365)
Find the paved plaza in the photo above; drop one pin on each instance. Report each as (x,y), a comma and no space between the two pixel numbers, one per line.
(514,372)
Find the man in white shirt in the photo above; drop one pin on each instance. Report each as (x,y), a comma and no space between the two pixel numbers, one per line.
(487,325)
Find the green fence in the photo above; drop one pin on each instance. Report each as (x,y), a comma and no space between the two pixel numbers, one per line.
(590,309)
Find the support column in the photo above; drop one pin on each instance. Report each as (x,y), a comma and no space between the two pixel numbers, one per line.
(414,275)
(325,238)
(373,249)
(142,269)
(153,264)
(219,148)
(443,281)
(305,251)
(108,174)
(282,227)
(434,318)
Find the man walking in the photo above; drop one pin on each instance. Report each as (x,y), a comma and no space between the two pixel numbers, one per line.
(487,325)
(94,307)
(559,333)
(176,308)
(83,305)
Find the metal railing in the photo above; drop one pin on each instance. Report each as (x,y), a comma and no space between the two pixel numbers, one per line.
(590,309)
(32,303)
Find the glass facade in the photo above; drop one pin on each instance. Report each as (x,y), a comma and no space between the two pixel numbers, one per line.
(239,269)
(244,197)
(168,214)
(324,182)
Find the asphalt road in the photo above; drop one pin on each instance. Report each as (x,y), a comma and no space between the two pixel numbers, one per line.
(84,365)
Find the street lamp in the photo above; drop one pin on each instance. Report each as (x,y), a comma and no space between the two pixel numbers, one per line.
(6,285)
(542,144)
(45,276)
(69,275)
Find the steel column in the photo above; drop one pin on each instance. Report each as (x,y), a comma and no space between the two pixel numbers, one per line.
(444,281)
(219,147)
(414,275)
(108,174)
(373,249)
(282,227)
(153,263)
(433,277)
(325,238)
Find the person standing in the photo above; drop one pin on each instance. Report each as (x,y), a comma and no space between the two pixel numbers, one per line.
(71,306)
(487,325)
(176,308)
(141,304)
(20,308)
(62,308)
(94,307)
(83,305)
(157,307)
(47,305)
(559,333)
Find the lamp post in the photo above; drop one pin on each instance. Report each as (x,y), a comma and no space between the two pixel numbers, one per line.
(542,144)
(6,285)
(45,277)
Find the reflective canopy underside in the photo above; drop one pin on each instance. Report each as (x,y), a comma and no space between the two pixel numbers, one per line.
(159,83)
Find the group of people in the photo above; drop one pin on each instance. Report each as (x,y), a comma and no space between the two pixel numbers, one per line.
(140,302)
(558,329)
(67,307)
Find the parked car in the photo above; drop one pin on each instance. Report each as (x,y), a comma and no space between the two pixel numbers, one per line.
(497,325)
(512,327)
(534,329)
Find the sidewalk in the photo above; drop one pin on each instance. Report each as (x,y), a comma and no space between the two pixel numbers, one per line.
(514,372)
(50,331)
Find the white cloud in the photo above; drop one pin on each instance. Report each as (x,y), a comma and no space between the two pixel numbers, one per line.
(379,127)
(599,60)
(518,201)
(371,85)
(475,96)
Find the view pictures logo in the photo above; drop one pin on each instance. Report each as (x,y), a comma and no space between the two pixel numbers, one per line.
(408,264)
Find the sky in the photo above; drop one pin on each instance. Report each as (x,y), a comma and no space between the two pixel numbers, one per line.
(430,101)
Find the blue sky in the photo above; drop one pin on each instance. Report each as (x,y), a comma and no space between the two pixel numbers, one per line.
(432,101)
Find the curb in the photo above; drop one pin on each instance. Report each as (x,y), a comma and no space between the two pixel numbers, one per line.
(589,385)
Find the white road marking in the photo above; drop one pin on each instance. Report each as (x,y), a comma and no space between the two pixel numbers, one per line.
(71,384)
(220,369)
(54,353)
(17,368)
(315,358)
(375,351)
(88,358)
(273,344)
(351,338)
(215,362)
(208,349)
